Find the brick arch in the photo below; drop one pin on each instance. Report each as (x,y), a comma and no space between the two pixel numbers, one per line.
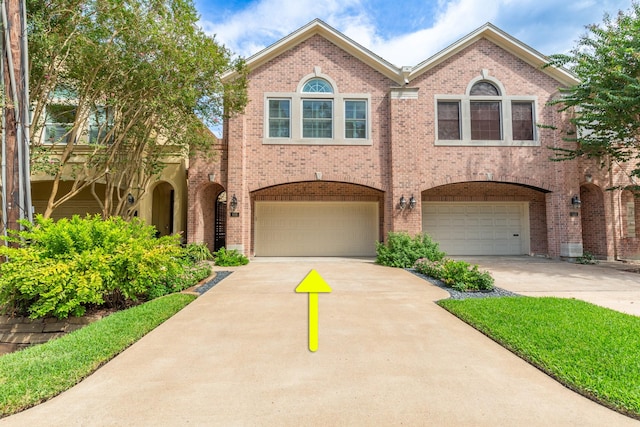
(203,213)
(318,190)
(502,179)
(294,179)
(498,191)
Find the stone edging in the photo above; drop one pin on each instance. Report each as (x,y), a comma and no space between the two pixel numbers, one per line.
(19,332)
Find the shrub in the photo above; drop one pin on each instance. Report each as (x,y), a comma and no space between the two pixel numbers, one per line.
(198,252)
(459,275)
(402,250)
(229,258)
(61,268)
(586,258)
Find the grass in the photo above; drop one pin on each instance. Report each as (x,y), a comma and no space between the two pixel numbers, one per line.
(38,373)
(590,349)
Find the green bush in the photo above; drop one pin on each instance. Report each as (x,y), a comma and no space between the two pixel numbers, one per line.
(586,258)
(229,258)
(459,275)
(198,252)
(62,268)
(402,250)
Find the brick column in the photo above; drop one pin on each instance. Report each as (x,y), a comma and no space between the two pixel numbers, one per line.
(405,125)
(238,222)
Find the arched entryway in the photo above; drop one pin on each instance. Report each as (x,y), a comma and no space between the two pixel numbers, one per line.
(220,222)
(211,216)
(162,213)
(592,211)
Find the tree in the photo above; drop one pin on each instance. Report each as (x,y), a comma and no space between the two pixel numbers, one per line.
(605,106)
(144,77)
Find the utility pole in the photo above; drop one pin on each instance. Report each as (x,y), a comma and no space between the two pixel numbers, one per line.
(16,186)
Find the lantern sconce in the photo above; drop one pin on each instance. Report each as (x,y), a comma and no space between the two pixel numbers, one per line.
(234,203)
(403,203)
(575,201)
(412,202)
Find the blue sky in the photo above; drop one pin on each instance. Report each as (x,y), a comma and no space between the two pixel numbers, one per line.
(404,32)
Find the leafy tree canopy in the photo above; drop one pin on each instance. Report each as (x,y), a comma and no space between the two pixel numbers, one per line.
(605,105)
(141,72)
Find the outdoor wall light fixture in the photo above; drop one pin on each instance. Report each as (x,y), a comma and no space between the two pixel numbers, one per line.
(212,177)
(130,198)
(403,203)
(412,202)
(234,203)
(575,201)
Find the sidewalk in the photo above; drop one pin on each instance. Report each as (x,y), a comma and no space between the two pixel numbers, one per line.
(387,355)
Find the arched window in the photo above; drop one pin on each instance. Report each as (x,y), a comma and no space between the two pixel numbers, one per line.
(317,86)
(317,113)
(484,89)
(485,114)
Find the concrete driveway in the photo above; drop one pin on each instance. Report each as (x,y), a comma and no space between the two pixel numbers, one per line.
(608,283)
(387,356)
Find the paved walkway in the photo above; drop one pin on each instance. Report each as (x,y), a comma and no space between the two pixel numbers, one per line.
(387,356)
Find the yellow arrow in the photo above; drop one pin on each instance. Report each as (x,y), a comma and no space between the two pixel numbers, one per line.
(313,284)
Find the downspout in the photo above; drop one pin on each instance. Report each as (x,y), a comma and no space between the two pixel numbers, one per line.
(26,160)
(4,155)
(14,92)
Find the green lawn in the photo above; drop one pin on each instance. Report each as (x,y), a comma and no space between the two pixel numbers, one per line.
(38,373)
(592,350)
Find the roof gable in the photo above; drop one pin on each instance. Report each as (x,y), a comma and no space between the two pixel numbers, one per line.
(334,36)
(503,40)
(404,75)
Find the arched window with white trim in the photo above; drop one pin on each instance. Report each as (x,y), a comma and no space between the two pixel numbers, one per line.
(485,115)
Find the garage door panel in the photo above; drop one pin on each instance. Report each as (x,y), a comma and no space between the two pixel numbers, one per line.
(478,228)
(316,228)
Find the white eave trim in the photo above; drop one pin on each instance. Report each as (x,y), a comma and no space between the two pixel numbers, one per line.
(403,75)
(343,42)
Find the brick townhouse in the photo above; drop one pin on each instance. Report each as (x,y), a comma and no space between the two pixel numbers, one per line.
(337,147)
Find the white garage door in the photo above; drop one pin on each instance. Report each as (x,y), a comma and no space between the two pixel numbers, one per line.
(316,228)
(478,228)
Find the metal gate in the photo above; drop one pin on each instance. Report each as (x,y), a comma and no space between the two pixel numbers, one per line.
(220,226)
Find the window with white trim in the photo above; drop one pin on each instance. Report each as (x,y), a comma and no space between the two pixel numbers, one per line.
(317,114)
(279,118)
(486,116)
(58,123)
(317,118)
(355,119)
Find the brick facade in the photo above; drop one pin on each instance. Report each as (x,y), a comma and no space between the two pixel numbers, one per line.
(403,157)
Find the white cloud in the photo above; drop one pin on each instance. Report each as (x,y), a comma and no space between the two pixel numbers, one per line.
(267,21)
(545,25)
(453,21)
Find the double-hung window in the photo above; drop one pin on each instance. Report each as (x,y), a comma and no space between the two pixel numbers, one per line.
(355,119)
(100,124)
(279,118)
(58,123)
(317,118)
(485,116)
(317,114)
